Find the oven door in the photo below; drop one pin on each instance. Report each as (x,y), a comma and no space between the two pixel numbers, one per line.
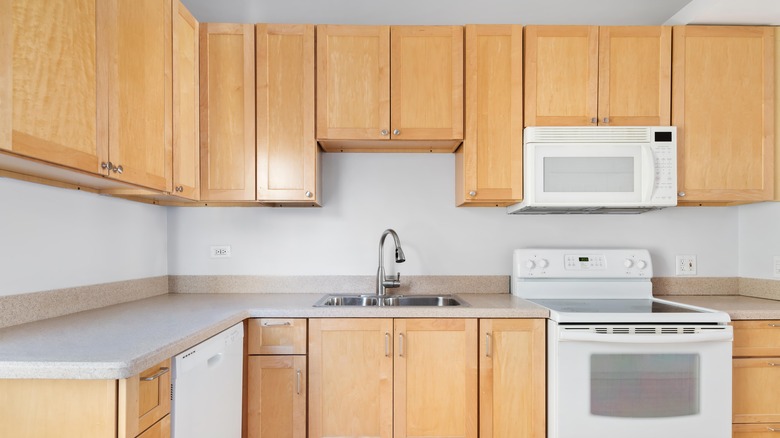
(604,382)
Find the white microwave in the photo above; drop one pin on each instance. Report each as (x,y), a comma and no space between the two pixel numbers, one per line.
(598,169)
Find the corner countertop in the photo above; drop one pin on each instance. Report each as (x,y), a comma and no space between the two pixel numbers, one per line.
(738,307)
(118,341)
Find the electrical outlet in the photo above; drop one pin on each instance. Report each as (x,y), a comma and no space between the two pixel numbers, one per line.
(777,266)
(685,265)
(221,251)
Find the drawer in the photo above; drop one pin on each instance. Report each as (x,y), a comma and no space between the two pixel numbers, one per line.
(756,430)
(161,429)
(756,390)
(756,338)
(145,398)
(276,336)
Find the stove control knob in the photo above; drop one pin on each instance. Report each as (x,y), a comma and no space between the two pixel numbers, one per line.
(530,264)
(628,263)
(543,263)
(641,264)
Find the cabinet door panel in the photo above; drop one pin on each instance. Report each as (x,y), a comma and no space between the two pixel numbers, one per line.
(512,383)
(353,82)
(276,400)
(561,75)
(140,90)
(756,390)
(350,378)
(286,147)
(426,92)
(186,147)
(227,112)
(436,378)
(490,161)
(756,338)
(723,94)
(52,93)
(161,429)
(635,75)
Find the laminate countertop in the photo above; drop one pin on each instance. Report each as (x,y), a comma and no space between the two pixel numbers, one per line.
(738,307)
(119,341)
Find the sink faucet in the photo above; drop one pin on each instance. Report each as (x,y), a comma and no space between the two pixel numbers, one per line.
(383,282)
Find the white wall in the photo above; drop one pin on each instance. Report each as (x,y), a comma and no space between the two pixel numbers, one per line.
(53,238)
(414,194)
(759,239)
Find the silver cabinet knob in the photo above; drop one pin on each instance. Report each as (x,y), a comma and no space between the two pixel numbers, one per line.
(681,194)
(594,120)
(473,193)
(308,194)
(606,119)
(179,188)
(105,165)
(119,169)
(383,132)
(396,132)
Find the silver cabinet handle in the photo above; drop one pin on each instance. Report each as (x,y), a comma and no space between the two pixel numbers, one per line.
(396,132)
(383,132)
(473,193)
(308,194)
(773,325)
(387,344)
(773,364)
(401,345)
(594,120)
(298,381)
(156,375)
(772,429)
(488,345)
(275,323)
(681,194)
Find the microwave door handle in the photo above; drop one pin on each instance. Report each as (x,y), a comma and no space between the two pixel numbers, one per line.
(648,172)
(713,336)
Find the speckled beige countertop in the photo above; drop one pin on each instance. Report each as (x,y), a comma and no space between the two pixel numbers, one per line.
(119,341)
(738,307)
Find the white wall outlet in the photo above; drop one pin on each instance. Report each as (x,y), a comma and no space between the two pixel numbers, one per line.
(221,251)
(685,265)
(777,266)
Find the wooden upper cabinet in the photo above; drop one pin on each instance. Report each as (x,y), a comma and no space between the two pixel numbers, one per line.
(378,83)
(287,151)
(426,87)
(227,112)
(53,96)
(723,107)
(635,75)
(140,91)
(561,75)
(186,147)
(489,164)
(589,75)
(436,378)
(353,82)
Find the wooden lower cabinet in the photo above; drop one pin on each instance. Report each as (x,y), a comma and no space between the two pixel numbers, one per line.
(126,408)
(756,379)
(276,405)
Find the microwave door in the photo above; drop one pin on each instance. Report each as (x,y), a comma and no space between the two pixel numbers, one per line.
(593,174)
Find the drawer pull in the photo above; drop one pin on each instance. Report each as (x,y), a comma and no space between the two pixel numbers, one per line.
(773,325)
(488,345)
(298,381)
(274,324)
(772,429)
(156,375)
(772,364)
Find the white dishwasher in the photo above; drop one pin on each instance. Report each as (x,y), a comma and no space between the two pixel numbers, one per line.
(207,388)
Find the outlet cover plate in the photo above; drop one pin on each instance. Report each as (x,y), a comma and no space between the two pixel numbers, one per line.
(220,251)
(685,265)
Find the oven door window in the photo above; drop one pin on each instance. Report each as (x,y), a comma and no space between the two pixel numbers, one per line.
(644,385)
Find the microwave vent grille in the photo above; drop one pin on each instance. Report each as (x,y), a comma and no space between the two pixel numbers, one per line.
(588,134)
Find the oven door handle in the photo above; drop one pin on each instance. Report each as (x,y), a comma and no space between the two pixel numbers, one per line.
(714,336)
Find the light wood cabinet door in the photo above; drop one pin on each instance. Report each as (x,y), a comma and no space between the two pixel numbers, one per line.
(722,105)
(140,92)
(756,390)
(350,378)
(765,430)
(489,163)
(161,429)
(186,110)
(144,399)
(435,378)
(426,88)
(561,75)
(227,112)
(276,398)
(53,93)
(511,378)
(635,75)
(353,82)
(756,338)
(276,336)
(287,152)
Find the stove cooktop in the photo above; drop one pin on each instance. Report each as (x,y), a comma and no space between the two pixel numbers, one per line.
(614,306)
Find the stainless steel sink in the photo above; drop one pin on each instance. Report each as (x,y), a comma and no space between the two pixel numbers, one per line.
(390,301)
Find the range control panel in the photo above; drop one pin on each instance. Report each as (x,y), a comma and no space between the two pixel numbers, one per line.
(582,263)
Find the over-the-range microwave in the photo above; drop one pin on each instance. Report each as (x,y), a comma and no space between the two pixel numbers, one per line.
(598,169)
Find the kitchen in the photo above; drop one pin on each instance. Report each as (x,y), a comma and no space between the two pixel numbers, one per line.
(93,240)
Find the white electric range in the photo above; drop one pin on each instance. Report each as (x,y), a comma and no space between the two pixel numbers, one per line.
(621,362)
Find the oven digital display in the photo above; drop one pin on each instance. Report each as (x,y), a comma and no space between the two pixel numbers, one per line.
(584,259)
(577,262)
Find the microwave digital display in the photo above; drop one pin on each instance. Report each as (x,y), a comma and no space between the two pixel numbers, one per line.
(663,136)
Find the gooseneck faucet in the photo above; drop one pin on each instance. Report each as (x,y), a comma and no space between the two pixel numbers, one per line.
(383,282)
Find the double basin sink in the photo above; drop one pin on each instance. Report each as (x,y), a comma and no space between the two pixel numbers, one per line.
(389,301)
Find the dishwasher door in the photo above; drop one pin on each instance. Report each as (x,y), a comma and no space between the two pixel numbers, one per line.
(207,387)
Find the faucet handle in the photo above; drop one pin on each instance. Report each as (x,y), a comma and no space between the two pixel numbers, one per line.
(392,281)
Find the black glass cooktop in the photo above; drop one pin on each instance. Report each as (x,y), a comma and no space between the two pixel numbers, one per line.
(612,306)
